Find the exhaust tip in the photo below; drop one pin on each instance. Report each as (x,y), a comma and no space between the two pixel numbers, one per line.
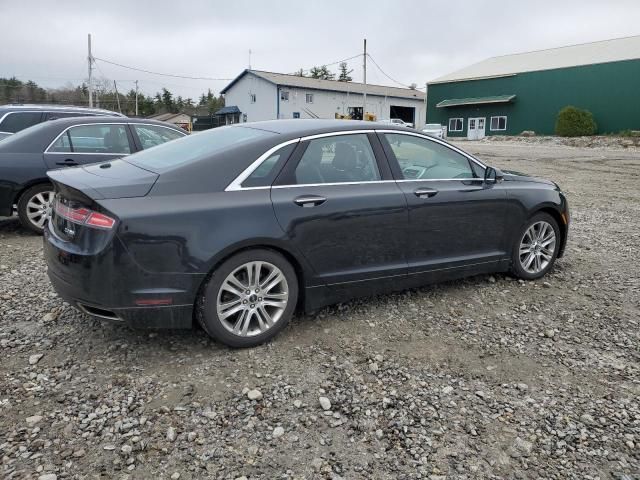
(98,312)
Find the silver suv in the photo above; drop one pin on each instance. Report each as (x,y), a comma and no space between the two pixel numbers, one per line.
(14,118)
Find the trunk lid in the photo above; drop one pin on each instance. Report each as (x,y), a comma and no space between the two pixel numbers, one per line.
(110,179)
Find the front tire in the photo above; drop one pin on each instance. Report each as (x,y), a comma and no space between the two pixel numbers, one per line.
(34,207)
(536,247)
(248,299)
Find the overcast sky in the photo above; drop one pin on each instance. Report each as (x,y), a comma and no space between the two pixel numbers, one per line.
(412,41)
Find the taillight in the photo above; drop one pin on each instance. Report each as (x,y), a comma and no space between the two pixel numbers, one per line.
(83,216)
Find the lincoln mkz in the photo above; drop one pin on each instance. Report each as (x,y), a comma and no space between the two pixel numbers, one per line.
(238,227)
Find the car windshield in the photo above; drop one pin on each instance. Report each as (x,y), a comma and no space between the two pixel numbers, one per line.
(433,126)
(194,147)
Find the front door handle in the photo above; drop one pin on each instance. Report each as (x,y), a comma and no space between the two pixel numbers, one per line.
(309,200)
(425,192)
(68,162)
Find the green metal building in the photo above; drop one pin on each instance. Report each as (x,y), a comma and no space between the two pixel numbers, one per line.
(509,94)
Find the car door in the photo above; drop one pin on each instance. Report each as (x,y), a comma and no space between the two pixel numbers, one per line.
(455,218)
(89,143)
(338,205)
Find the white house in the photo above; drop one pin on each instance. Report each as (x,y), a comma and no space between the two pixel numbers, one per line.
(256,95)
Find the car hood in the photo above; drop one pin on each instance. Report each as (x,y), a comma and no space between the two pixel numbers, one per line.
(110,179)
(510,175)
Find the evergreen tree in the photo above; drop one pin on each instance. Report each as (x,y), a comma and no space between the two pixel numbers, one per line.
(344,75)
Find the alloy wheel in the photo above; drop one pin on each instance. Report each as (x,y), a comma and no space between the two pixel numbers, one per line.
(38,208)
(537,247)
(252,298)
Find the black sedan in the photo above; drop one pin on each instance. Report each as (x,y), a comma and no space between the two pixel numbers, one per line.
(26,156)
(238,226)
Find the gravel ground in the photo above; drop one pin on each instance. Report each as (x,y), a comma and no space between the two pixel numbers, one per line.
(483,378)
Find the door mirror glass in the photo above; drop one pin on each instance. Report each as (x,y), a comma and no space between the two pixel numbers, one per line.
(493,175)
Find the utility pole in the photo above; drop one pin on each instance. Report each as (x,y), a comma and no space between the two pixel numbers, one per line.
(117,96)
(90,62)
(426,87)
(364,95)
(136,98)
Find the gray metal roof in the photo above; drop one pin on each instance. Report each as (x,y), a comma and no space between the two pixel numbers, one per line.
(286,80)
(605,51)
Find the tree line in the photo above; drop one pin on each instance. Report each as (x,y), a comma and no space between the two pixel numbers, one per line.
(323,73)
(13,90)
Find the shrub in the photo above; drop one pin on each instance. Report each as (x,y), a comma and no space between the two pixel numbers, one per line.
(575,122)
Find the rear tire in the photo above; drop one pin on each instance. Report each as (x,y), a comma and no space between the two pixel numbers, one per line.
(34,207)
(248,299)
(536,247)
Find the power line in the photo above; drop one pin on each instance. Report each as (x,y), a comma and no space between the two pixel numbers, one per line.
(335,63)
(388,76)
(161,74)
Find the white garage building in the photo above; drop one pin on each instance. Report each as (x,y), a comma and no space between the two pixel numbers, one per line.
(256,95)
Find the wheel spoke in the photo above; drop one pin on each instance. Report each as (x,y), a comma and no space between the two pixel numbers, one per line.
(231,311)
(34,215)
(276,280)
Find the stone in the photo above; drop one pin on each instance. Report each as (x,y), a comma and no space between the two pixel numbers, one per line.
(35,358)
(175,476)
(325,403)
(48,476)
(523,446)
(297,403)
(316,463)
(447,390)
(171,434)
(278,432)
(31,421)
(254,394)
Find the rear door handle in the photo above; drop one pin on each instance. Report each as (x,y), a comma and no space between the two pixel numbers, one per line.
(425,192)
(309,200)
(67,163)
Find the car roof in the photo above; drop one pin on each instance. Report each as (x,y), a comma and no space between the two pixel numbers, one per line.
(71,121)
(13,107)
(306,127)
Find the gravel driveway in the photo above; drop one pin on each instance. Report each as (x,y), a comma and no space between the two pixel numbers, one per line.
(483,378)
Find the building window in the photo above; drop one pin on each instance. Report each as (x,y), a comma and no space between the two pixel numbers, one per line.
(456,124)
(284,96)
(498,123)
(296,114)
(309,97)
(252,97)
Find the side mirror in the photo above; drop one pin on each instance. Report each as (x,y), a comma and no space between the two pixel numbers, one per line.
(493,175)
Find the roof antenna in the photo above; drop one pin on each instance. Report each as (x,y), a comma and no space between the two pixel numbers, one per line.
(249,59)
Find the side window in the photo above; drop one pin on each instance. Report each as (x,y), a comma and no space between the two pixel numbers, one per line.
(265,174)
(343,158)
(423,159)
(62,144)
(16,121)
(151,135)
(99,139)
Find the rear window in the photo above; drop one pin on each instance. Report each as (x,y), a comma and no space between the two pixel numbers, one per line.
(16,121)
(194,147)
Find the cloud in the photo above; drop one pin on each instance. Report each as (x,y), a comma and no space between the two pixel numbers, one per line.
(413,41)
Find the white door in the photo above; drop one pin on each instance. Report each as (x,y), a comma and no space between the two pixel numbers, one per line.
(480,128)
(471,129)
(476,128)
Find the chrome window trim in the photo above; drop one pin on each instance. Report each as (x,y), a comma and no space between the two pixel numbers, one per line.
(331,184)
(335,134)
(437,140)
(46,150)
(236,184)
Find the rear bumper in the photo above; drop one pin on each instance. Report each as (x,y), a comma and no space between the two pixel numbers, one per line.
(109,285)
